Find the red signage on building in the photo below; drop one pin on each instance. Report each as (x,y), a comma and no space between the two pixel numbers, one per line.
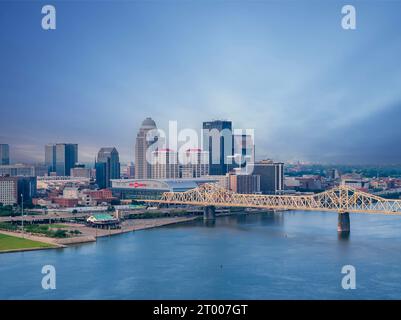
(137,185)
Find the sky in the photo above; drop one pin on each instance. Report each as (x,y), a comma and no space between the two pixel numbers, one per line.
(311,90)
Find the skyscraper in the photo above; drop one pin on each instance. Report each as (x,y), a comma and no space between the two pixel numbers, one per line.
(165,164)
(245,183)
(143,169)
(61,157)
(50,157)
(107,167)
(196,164)
(131,171)
(11,189)
(218,141)
(4,154)
(271,175)
(244,149)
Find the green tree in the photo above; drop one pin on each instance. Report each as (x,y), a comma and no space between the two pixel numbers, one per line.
(60,233)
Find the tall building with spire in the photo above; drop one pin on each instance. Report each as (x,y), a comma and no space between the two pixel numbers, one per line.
(143,169)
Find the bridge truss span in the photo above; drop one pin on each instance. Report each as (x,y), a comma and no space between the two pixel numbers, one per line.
(339,199)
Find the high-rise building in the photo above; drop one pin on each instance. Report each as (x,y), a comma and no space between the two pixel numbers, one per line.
(107,167)
(245,183)
(50,157)
(333,174)
(243,149)
(143,168)
(4,154)
(79,172)
(218,141)
(26,170)
(195,164)
(17,170)
(165,164)
(131,171)
(11,189)
(40,170)
(271,175)
(61,157)
(101,175)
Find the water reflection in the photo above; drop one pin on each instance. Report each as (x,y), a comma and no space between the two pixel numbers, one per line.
(272,218)
(210,223)
(265,219)
(344,236)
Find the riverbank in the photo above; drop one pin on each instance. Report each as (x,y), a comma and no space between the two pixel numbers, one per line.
(14,242)
(87,234)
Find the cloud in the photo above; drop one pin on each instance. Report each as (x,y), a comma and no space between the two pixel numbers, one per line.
(309,89)
(373,139)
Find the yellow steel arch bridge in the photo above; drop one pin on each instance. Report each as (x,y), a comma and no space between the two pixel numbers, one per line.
(342,199)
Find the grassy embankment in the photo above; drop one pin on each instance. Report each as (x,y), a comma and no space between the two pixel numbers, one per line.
(14,243)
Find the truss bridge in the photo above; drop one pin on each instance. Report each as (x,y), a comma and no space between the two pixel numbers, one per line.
(342,199)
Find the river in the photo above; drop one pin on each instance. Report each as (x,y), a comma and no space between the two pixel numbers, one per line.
(290,255)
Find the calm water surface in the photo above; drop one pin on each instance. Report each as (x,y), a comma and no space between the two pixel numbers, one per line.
(291,255)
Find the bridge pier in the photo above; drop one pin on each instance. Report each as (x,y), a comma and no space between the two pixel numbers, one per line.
(344,225)
(209,213)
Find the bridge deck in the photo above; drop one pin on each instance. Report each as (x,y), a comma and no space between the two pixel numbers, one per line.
(340,199)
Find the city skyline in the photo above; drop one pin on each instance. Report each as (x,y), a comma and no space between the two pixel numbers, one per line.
(90,159)
(236,61)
